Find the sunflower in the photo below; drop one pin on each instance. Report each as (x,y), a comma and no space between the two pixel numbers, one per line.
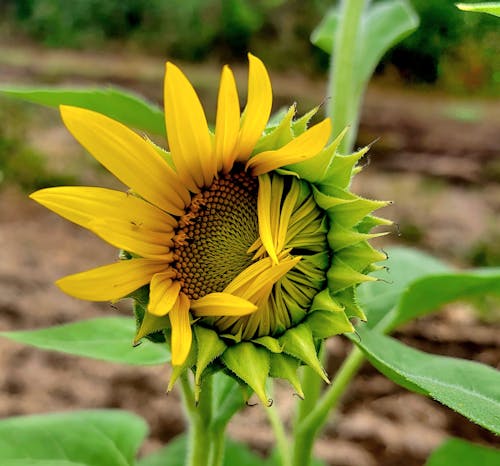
(248,235)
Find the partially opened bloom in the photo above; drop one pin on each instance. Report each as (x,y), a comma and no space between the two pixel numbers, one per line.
(248,235)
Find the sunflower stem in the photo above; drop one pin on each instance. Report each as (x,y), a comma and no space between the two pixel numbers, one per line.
(282,442)
(311,425)
(199,417)
(218,446)
(342,108)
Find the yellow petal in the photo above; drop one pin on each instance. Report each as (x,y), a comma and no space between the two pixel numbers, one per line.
(188,137)
(257,110)
(256,282)
(134,238)
(110,282)
(222,304)
(303,147)
(182,336)
(163,293)
(227,124)
(128,156)
(264,214)
(83,205)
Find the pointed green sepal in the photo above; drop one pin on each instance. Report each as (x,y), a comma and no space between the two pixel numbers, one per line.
(340,171)
(285,367)
(347,299)
(251,364)
(351,213)
(326,324)
(371,221)
(299,343)
(360,256)
(210,347)
(341,276)
(299,126)
(340,237)
(313,169)
(328,202)
(270,343)
(324,301)
(151,324)
(279,136)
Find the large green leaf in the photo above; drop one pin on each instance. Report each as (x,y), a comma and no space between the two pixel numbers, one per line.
(93,438)
(470,388)
(118,104)
(106,338)
(429,293)
(25,462)
(404,266)
(461,453)
(174,454)
(493,8)
(384,25)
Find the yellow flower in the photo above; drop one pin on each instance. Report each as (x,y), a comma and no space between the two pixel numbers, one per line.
(210,226)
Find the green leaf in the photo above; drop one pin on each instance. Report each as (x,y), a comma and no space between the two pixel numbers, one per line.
(429,293)
(31,462)
(121,105)
(403,266)
(459,452)
(384,25)
(493,8)
(324,33)
(93,438)
(470,388)
(105,338)
(174,454)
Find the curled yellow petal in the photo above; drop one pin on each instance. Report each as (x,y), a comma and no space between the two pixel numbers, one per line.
(222,304)
(128,156)
(264,206)
(257,110)
(182,335)
(188,136)
(110,282)
(163,293)
(303,147)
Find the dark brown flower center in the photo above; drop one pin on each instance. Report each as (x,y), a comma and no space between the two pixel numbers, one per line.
(215,233)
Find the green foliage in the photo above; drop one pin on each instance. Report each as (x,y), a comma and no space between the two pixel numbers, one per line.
(459,452)
(493,8)
(87,438)
(104,338)
(121,105)
(470,388)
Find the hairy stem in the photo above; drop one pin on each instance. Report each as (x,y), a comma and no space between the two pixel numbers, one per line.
(282,443)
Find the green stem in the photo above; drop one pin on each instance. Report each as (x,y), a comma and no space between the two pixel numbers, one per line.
(311,425)
(199,417)
(282,443)
(218,446)
(342,106)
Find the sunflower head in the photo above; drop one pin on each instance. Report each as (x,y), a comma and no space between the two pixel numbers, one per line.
(242,248)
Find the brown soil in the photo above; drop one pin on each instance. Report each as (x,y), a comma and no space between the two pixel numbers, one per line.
(443,174)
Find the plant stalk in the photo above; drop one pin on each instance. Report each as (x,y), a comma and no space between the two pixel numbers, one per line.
(342,107)
(309,427)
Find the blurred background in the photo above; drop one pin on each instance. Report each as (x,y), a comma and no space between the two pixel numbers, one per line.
(433,103)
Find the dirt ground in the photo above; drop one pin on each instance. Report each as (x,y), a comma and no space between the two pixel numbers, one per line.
(437,159)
